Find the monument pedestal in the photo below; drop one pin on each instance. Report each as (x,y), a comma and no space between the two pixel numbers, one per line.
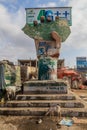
(46,86)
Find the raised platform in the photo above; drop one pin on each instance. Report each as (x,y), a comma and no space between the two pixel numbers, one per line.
(46,86)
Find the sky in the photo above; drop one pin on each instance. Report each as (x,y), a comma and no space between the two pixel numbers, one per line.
(14,44)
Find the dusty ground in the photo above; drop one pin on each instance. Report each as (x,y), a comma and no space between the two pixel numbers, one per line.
(80,92)
(27,123)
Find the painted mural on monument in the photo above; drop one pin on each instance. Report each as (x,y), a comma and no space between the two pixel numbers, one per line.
(47,68)
(46,48)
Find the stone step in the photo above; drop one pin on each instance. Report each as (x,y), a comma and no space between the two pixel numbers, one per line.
(68,112)
(43,91)
(45,97)
(43,103)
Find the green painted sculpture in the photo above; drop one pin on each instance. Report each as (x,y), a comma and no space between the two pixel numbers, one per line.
(43,31)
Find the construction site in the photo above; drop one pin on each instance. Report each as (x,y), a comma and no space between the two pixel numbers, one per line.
(42,93)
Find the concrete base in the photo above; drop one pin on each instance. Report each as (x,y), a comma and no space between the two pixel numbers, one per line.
(46,86)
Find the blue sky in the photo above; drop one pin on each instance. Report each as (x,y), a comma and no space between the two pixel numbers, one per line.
(14,44)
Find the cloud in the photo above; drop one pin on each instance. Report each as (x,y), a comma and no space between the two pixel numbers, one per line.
(79,24)
(14,43)
(63,0)
(49,4)
(11,1)
(76,44)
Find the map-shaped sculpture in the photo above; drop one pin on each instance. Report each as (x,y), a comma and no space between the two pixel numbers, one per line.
(43,30)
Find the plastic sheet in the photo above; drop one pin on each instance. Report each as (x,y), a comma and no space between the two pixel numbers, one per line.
(67,122)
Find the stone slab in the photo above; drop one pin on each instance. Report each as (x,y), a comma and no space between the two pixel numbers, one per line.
(39,112)
(45,97)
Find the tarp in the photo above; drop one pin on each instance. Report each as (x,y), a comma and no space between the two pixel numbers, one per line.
(67,122)
(9,74)
(70,72)
(2,81)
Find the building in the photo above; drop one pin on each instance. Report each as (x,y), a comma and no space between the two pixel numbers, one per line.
(27,62)
(34,63)
(29,68)
(60,63)
(81,63)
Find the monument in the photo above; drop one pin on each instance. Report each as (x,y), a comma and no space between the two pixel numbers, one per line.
(49,27)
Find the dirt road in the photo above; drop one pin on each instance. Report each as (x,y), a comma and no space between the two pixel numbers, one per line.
(26,123)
